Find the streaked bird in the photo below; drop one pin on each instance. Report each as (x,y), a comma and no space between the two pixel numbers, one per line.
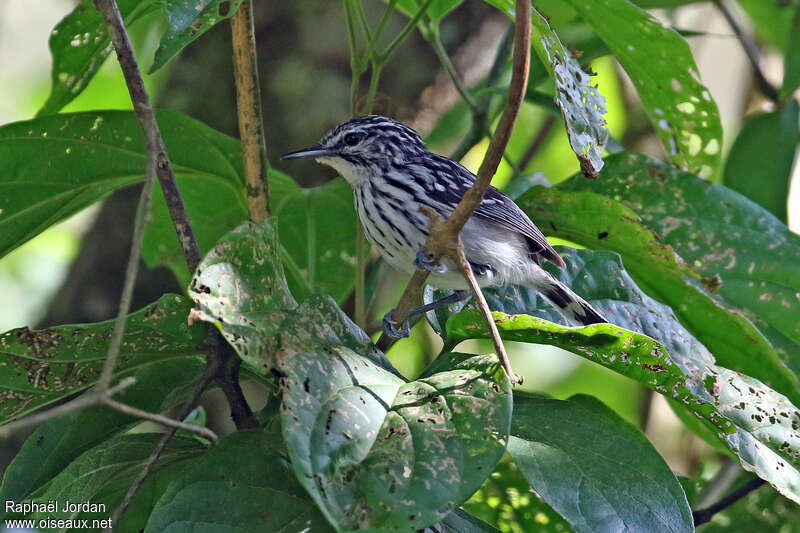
(392,175)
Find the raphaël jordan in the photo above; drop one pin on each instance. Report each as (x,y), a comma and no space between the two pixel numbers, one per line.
(53,506)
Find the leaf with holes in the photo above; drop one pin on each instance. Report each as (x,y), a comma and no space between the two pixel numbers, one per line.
(43,366)
(662,69)
(247,475)
(597,470)
(758,424)
(188,20)
(746,257)
(600,222)
(583,106)
(760,162)
(79,45)
(375,452)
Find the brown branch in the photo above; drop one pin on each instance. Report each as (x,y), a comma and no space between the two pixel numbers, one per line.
(161,419)
(248,103)
(443,237)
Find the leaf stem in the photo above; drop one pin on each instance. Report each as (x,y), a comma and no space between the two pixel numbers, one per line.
(405,32)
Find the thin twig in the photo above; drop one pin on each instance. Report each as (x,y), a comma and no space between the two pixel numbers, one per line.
(751,50)
(131,271)
(161,419)
(701,516)
(447,64)
(91,399)
(500,349)
(444,235)
(208,376)
(248,103)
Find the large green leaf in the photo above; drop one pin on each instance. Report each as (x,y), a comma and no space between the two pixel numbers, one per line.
(55,166)
(103,474)
(49,449)
(747,257)
(376,452)
(188,20)
(662,69)
(603,223)
(597,470)
(581,103)
(79,45)
(244,483)
(758,424)
(42,366)
(760,162)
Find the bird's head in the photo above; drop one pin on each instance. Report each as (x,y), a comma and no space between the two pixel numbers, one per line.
(364,146)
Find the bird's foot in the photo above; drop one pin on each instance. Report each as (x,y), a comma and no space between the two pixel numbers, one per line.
(392,329)
(424,262)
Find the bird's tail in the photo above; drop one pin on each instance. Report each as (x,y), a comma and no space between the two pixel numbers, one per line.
(571,306)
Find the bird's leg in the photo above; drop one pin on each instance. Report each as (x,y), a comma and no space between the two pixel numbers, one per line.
(390,327)
(424,262)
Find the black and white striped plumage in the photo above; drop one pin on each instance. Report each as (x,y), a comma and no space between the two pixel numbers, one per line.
(392,174)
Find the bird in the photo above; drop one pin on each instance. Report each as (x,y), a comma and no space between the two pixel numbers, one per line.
(392,175)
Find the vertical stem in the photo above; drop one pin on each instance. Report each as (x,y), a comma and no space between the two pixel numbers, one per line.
(251,122)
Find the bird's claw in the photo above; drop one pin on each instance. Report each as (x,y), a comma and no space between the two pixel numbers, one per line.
(390,327)
(425,262)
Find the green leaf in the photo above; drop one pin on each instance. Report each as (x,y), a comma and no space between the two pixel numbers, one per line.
(240,287)
(753,421)
(243,483)
(188,20)
(747,257)
(600,222)
(43,366)
(103,474)
(597,470)
(662,69)
(791,60)
(79,45)
(760,162)
(317,229)
(376,452)
(583,106)
(55,166)
(53,445)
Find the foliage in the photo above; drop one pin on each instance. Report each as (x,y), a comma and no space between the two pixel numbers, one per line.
(690,259)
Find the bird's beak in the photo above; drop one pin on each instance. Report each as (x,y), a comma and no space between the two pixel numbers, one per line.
(311,151)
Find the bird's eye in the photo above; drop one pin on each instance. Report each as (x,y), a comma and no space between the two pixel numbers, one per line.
(352,139)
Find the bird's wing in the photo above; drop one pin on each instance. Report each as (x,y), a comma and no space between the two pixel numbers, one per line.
(497,208)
